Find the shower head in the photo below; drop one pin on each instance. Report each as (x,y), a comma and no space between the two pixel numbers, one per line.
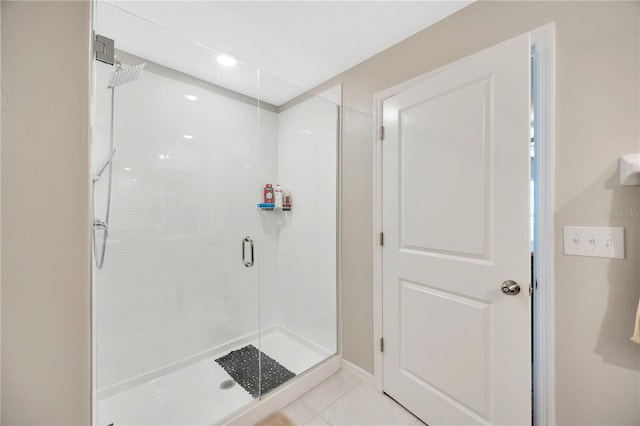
(125,75)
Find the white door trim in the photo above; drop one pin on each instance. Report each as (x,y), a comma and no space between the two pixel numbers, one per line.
(543,39)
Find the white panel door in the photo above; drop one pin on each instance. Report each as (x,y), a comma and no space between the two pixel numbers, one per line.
(455,218)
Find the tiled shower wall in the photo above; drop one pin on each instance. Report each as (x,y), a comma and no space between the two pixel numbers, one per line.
(173,284)
(307,155)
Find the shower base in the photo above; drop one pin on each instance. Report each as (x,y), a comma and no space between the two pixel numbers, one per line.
(192,394)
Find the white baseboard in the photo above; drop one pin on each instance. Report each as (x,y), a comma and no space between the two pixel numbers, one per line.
(363,375)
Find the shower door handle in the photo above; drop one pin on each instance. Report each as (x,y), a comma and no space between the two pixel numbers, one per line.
(247,263)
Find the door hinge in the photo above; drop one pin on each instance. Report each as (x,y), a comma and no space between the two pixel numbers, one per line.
(382,238)
(381,344)
(103,48)
(381,133)
(530,289)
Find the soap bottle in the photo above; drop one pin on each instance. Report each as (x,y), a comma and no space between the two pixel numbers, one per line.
(277,196)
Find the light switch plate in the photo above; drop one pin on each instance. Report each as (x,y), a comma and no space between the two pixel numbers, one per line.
(594,241)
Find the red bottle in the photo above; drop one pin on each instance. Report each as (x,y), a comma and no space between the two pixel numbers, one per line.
(268,193)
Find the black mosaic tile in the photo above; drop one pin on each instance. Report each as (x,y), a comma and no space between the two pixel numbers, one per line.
(242,366)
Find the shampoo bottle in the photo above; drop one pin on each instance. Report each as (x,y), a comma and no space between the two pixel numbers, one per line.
(277,196)
(268,193)
(286,205)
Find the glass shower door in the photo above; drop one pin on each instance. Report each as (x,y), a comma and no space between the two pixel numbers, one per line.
(298,275)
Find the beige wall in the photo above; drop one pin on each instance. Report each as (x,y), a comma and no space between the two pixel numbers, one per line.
(44,174)
(0,215)
(46,341)
(597,121)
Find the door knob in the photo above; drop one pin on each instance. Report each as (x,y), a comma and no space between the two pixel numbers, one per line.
(510,288)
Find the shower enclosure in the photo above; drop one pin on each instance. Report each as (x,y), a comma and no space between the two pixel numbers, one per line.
(204,301)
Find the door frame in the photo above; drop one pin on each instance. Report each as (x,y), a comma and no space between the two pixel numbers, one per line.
(543,336)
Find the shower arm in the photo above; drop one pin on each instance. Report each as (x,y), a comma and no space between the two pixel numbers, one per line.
(104,165)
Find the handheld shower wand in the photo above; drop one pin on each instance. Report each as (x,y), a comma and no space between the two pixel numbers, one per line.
(119,77)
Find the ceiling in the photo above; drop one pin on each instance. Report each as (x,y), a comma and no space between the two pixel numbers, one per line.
(296,45)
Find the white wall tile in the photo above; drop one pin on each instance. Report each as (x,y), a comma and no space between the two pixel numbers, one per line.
(173,284)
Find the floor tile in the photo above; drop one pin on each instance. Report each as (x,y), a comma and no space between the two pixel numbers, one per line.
(316,421)
(276,419)
(328,391)
(299,412)
(363,405)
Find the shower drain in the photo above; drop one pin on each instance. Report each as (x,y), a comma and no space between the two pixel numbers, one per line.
(227,384)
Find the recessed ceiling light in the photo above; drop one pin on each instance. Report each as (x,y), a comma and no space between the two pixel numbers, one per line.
(187,137)
(227,61)
(191,97)
(163,156)
(127,168)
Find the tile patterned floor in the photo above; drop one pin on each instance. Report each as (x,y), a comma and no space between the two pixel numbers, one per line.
(344,399)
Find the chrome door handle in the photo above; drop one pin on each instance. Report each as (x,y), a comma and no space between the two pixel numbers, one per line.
(246,263)
(510,288)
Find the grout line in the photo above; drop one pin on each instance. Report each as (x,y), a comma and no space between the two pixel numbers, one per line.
(325,420)
(358,372)
(339,395)
(360,381)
